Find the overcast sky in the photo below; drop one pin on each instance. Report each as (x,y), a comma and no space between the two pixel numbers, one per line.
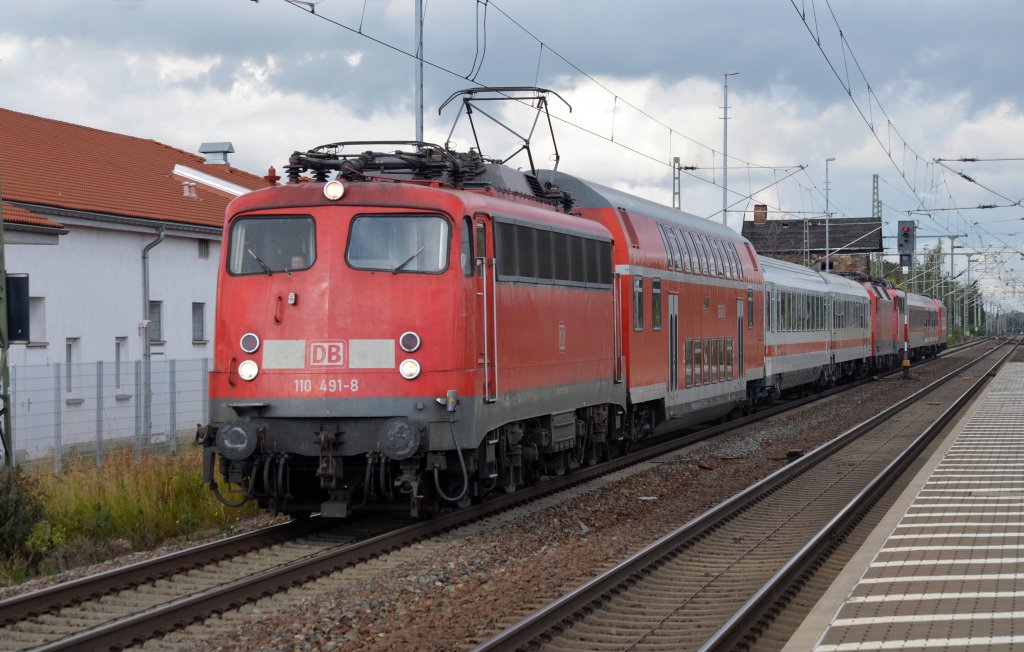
(913,81)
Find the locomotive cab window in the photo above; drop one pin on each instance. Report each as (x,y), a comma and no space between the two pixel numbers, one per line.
(398,243)
(466,255)
(264,245)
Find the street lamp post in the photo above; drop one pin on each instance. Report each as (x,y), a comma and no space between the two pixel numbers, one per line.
(827,215)
(967,289)
(725,148)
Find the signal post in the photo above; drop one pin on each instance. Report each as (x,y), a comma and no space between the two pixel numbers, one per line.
(905,248)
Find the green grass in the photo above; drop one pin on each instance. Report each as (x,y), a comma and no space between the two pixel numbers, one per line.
(92,513)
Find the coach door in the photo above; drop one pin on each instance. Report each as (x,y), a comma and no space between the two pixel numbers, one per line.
(673,341)
(739,338)
(486,304)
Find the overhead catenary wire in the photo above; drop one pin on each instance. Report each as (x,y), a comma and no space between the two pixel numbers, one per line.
(868,118)
(306,7)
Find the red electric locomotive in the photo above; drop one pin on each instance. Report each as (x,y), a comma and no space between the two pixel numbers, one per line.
(925,330)
(433,337)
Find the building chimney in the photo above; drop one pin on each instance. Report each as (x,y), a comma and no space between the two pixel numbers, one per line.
(184,189)
(760,214)
(216,153)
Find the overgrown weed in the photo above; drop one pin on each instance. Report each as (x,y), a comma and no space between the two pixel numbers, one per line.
(88,514)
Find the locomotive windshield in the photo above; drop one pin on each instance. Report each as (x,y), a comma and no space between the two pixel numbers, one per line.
(399,243)
(264,245)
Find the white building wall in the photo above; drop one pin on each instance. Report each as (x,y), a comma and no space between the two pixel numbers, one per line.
(91,287)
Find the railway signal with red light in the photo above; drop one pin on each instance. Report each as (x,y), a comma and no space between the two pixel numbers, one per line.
(905,237)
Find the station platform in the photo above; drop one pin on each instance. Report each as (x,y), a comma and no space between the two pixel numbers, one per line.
(944,570)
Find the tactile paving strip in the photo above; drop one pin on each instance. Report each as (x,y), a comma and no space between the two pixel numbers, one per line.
(951,574)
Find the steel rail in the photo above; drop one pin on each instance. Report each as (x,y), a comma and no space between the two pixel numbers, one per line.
(743,627)
(48,599)
(549,617)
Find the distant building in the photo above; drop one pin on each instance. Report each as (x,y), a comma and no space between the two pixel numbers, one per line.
(80,208)
(851,240)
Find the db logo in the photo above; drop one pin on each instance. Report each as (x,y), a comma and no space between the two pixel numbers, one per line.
(326,354)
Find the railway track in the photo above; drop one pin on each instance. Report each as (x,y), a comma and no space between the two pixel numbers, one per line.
(692,589)
(128,605)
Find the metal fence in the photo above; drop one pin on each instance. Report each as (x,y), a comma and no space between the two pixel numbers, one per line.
(85,410)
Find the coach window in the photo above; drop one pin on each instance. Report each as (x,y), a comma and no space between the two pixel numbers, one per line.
(698,255)
(709,261)
(707,360)
(717,253)
(714,359)
(716,264)
(670,253)
(677,256)
(750,309)
(728,259)
(730,269)
(638,303)
(264,245)
(688,358)
(407,243)
(721,360)
(689,261)
(720,252)
(698,362)
(736,257)
(656,304)
(728,357)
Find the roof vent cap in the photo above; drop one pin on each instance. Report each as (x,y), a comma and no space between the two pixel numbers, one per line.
(217,153)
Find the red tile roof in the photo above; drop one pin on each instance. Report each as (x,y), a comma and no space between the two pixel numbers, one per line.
(62,165)
(18,215)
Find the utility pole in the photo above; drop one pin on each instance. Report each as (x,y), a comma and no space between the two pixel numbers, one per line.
(876,213)
(677,185)
(827,215)
(5,371)
(677,201)
(419,71)
(725,149)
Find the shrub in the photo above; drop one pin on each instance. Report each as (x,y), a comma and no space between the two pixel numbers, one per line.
(21,512)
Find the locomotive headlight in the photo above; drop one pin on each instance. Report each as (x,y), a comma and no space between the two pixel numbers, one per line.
(409,369)
(250,342)
(409,342)
(248,369)
(334,190)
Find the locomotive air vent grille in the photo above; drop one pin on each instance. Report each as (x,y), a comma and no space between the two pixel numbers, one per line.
(535,186)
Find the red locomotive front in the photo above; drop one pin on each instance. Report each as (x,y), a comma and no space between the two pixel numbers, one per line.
(372,345)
